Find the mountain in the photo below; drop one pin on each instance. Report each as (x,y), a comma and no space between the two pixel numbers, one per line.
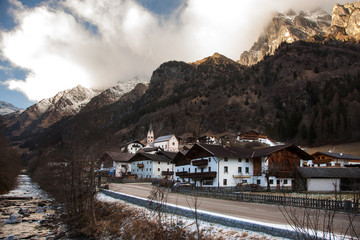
(114,93)
(306,93)
(6,108)
(287,27)
(50,110)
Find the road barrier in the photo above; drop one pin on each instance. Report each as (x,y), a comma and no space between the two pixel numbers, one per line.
(327,204)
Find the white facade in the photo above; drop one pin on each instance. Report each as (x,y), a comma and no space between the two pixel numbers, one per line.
(151,169)
(229,172)
(323,184)
(167,143)
(132,147)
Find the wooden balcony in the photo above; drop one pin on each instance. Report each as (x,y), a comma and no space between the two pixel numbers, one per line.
(167,173)
(201,175)
(181,174)
(202,162)
(140,165)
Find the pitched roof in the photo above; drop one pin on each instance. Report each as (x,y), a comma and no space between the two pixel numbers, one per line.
(338,155)
(141,156)
(163,138)
(329,172)
(220,151)
(266,151)
(170,155)
(117,156)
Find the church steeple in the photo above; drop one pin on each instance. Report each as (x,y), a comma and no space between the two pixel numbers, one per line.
(150,136)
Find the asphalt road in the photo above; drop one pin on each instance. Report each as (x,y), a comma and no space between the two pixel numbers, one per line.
(262,213)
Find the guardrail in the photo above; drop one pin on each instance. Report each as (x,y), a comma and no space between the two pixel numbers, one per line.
(328,204)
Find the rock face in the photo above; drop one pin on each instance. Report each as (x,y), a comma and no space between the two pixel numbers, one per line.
(287,27)
(345,24)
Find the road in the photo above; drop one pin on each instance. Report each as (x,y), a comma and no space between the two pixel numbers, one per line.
(262,213)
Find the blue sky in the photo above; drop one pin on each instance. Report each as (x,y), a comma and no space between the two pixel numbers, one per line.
(48,46)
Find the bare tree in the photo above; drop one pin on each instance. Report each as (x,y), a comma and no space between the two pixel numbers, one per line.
(194,205)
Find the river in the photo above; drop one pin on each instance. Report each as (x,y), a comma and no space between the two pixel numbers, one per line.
(27,212)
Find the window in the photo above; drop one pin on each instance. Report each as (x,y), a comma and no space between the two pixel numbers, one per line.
(202,169)
(247,160)
(150,169)
(207,182)
(146,169)
(158,162)
(244,181)
(278,182)
(239,159)
(167,169)
(225,159)
(209,169)
(225,182)
(285,181)
(247,170)
(168,163)
(271,182)
(209,159)
(258,181)
(189,170)
(158,169)
(239,170)
(196,170)
(225,169)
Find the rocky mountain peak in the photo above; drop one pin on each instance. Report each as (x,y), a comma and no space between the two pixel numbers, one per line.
(6,108)
(287,27)
(216,59)
(345,24)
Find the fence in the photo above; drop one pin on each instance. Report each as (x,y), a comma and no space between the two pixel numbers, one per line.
(337,205)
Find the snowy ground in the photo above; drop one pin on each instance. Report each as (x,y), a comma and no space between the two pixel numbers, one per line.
(215,230)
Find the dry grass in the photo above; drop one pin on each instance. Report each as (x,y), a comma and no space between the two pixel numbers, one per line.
(119,221)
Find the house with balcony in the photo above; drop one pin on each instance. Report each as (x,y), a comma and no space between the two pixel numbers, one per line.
(158,165)
(218,166)
(331,159)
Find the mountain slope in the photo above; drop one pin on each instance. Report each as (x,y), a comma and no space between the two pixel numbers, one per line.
(113,94)
(50,110)
(6,108)
(288,27)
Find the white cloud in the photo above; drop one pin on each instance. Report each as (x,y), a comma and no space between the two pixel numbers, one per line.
(97,43)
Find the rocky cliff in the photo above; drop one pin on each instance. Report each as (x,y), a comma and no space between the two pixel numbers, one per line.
(345,23)
(287,27)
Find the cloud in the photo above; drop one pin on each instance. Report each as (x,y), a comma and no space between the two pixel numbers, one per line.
(97,43)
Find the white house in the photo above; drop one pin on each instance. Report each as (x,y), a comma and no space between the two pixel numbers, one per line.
(158,165)
(167,143)
(132,147)
(218,166)
(325,179)
(116,163)
(331,159)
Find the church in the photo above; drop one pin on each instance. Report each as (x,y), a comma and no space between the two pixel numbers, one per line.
(167,143)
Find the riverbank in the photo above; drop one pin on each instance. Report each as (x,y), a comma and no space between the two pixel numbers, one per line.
(27,212)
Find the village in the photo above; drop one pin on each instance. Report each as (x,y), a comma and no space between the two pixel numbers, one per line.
(248,161)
